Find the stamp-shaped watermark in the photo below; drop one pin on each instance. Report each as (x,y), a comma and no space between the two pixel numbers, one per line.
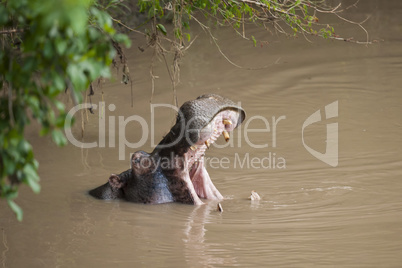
(331,151)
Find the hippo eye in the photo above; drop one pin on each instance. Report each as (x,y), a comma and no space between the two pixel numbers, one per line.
(137,160)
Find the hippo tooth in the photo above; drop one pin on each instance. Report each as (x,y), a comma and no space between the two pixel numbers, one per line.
(219,207)
(193,147)
(207,143)
(227,122)
(226,135)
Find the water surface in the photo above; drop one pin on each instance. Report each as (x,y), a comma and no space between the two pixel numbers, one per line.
(310,213)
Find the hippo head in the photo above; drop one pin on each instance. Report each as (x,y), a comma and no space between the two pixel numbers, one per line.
(144,182)
(175,170)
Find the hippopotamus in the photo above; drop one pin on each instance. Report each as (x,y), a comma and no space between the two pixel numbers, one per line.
(175,171)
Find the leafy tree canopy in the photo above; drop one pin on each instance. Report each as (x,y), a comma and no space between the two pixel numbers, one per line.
(48,47)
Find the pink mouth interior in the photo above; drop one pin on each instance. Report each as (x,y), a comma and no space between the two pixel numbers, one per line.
(199,176)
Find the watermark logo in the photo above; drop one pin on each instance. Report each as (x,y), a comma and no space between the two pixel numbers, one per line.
(269,160)
(330,156)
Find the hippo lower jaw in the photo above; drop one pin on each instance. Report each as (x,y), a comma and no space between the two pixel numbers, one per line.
(223,123)
(202,183)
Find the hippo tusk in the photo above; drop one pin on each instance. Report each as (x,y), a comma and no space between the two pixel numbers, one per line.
(226,135)
(207,144)
(227,122)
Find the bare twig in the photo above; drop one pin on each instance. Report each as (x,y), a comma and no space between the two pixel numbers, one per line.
(207,29)
(10,98)
(151,72)
(329,11)
(171,79)
(10,31)
(4,257)
(128,28)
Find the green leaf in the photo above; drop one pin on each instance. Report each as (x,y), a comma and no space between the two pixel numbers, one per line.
(58,137)
(60,120)
(59,105)
(186,25)
(177,33)
(161,28)
(188,37)
(17,209)
(48,49)
(254,40)
(31,177)
(123,39)
(9,165)
(77,76)
(77,17)
(24,146)
(61,46)
(44,131)
(12,192)
(58,84)
(35,186)
(3,14)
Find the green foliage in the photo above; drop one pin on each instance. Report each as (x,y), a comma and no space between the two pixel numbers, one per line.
(48,47)
(291,17)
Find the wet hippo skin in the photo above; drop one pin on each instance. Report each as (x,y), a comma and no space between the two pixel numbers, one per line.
(175,171)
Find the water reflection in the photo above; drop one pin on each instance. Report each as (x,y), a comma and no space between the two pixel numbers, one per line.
(198,251)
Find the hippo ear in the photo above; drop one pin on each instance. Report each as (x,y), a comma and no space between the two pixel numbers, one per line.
(115,181)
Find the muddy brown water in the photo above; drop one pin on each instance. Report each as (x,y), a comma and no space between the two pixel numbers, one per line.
(311,213)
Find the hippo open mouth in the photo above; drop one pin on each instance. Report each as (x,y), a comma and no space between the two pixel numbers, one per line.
(223,123)
(175,171)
